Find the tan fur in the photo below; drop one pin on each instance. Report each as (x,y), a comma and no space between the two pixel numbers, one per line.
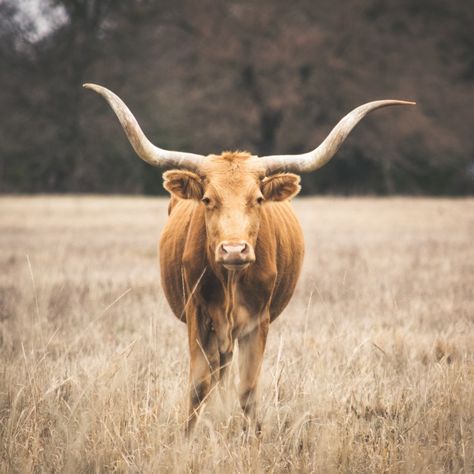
(218,305)
(281,186)
(184,184)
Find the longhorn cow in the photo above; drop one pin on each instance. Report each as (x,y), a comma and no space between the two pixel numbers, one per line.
(232,249)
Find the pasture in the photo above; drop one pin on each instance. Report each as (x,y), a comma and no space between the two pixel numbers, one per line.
(370,368)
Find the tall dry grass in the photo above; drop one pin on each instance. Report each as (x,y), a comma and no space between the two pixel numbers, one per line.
(370,369)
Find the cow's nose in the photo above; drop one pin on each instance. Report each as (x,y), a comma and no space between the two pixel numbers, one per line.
(234,253)
(235,249)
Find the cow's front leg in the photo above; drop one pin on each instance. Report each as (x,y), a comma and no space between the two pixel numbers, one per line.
(251,350)
(204,363)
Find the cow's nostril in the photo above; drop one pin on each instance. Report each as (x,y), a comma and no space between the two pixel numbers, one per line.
(234,254)
(234,250)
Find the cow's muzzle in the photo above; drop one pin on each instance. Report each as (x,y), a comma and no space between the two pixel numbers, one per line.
(235,255)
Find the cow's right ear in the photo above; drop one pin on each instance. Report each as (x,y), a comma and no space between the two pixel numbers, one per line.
(183,184)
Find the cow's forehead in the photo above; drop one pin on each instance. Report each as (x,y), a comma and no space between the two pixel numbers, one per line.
(229,168)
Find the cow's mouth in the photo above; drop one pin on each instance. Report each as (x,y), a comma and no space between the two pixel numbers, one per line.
(235,267)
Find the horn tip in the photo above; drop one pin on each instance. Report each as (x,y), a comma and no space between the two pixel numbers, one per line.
(89,85)
(405,102)
(396,102)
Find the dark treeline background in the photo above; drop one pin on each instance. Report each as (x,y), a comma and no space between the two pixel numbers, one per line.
(265,76)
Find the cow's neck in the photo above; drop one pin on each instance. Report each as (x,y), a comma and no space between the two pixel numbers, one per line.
(227,318)
(230,290)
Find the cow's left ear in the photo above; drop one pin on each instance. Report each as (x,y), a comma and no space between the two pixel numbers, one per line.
(281,186)
(183,184)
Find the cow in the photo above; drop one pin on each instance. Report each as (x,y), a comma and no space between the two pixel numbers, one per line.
(232,249)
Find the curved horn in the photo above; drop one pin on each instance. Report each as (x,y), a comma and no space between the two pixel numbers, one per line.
(143,147)
(323,153)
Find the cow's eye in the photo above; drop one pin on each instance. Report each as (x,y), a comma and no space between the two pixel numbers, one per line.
(206,201)
(260,200)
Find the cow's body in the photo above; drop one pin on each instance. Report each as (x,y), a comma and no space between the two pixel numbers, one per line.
(222,306)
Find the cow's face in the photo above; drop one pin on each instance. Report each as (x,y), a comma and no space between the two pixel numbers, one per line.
(233,190)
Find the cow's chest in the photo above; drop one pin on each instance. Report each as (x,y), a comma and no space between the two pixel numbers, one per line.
(232,316)
(243,321)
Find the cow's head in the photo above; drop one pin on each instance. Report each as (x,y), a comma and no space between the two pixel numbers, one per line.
(233,187)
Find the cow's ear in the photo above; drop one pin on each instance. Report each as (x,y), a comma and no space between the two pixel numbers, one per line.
(183,184)
(281,186)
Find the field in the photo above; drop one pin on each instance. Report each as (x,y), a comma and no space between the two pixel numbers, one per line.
(370,369)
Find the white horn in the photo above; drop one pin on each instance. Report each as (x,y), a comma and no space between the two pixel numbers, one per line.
(143,147)
(323,153)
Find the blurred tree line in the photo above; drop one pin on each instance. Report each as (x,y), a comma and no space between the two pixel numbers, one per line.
(267,76)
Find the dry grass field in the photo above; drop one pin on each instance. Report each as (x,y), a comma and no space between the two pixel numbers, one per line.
(369,370)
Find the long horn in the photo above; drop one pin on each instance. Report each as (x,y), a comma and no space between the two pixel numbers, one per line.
(323,153)
(143,147)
